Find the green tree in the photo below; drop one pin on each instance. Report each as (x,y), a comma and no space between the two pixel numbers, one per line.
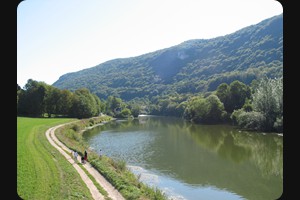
(196,109)
(31,100)
(239,92)
(98,104)
(84,105)
(223,92)
(51,100)
(124,113)
(65,102)
(114,105)
(135,109)
(215,111)
(268,100)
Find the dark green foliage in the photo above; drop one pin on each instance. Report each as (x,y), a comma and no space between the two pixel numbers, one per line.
(31,100)
(265,112)
(38,98)
(235,116)
(223,92)
(252,120)
(191,67)
(125,113)
(238,93)
(234,95)
(247,106)
(52,101)
(215,109)
(209,110)
(116,107)
(84,105)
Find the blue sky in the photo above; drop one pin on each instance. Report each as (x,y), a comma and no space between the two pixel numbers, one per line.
(55,37)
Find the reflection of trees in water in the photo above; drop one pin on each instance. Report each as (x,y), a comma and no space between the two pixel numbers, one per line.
(208,136)
(229,150)
(265,151)
(216,155)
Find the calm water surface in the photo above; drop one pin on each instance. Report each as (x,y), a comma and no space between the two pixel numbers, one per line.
(195,162)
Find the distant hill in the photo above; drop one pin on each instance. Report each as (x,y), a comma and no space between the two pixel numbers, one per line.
(193,66)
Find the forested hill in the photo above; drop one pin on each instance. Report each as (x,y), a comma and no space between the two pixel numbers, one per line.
(193,66)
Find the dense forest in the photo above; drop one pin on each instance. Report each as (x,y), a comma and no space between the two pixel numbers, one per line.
(193,66)
(236,79)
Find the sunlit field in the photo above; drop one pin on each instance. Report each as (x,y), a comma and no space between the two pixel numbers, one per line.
(42,172)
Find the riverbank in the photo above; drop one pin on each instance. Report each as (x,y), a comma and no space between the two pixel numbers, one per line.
(104,190)
(114,171)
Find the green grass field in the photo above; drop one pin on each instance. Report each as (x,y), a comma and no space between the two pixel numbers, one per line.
(42,172)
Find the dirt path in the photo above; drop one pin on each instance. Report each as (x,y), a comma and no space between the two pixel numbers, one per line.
(112,192)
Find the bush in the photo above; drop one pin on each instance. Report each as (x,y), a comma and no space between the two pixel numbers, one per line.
(75,127)
(252,120)
(235,115)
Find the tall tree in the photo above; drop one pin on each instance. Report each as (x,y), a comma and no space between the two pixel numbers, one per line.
(239,92)
(84,105)
(215,109)
(223,92)
(51,100)
(268,100)
(65,102)
(31,101)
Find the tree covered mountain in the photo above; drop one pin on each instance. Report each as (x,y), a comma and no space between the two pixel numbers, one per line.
(198,65)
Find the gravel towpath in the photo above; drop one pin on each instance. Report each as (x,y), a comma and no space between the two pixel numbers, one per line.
(112,192)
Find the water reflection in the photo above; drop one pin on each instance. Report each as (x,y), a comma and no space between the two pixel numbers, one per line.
(195,157)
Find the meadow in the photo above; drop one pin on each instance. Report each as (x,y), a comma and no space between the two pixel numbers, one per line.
(42,172)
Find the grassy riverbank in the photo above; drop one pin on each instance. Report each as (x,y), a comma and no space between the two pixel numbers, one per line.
(43,173)
(114,171)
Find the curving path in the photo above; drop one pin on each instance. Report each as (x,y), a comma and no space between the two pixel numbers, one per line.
(112,192)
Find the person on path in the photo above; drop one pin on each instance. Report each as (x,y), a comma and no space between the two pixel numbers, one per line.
(75,156)
(85,155)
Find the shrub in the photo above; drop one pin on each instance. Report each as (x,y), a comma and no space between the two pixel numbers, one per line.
(252,120)
(75,127)
(235,115)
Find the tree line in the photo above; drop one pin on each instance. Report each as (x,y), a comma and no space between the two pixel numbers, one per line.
(38,99)
(258,106)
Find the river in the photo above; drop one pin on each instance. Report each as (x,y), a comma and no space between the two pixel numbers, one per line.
(192,162)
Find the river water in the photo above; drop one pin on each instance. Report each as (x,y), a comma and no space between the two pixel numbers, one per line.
(193,162)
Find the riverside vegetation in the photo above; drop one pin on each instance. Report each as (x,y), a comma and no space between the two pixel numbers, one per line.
(258,106)
(40,166)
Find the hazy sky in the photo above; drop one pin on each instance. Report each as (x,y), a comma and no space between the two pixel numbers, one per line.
(55,37)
